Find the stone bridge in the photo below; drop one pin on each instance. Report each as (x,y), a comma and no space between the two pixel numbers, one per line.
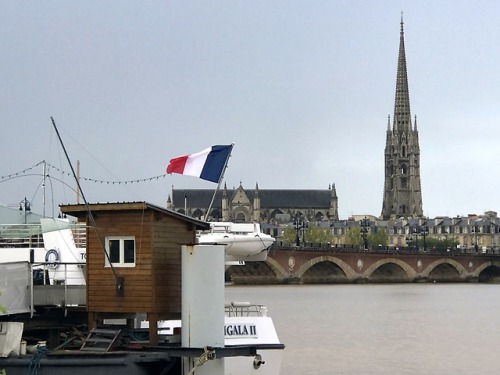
(304,266)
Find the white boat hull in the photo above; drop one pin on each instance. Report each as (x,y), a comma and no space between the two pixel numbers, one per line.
(260,331)
(251,330)
(242,247)
(243,241)
(59,255)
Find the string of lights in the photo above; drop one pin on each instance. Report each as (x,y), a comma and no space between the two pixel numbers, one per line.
(61,171)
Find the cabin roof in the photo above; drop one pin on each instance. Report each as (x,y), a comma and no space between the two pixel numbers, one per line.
(79,209)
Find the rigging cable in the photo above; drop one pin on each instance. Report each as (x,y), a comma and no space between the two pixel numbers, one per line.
(112,182)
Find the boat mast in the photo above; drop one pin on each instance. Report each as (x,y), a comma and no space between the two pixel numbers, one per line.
(43,187)
(119,280)
(78,185)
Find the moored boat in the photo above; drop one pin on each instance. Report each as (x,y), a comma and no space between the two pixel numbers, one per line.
(245,323)
(243,241)
(56,246)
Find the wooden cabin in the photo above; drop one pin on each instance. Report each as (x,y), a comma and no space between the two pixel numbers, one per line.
(134,260)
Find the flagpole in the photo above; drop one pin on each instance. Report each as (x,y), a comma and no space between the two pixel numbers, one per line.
(220,181)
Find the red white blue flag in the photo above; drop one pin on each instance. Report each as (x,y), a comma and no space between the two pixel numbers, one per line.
(207,164)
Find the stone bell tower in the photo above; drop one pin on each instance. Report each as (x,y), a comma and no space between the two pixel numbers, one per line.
(402,190)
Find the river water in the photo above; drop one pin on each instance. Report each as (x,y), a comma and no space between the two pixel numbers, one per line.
(383,328)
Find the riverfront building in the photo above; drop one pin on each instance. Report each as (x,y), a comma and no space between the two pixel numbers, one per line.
(476,233)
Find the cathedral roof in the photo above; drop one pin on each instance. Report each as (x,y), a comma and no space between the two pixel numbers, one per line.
(294,198)
(269,198)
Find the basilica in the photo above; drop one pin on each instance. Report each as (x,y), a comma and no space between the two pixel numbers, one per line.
(257,205)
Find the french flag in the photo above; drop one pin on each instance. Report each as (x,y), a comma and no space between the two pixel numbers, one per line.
(207,164)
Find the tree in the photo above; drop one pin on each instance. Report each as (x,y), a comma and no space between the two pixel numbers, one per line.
(311,234)
(433,243)
(353,237)
(2,309)
(318,235)
(289,234)
(378,238)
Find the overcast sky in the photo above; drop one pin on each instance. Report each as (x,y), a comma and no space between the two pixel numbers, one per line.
(302,88)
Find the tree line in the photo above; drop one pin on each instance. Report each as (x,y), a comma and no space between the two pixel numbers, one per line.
(355,237)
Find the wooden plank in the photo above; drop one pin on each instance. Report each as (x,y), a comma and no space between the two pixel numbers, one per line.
(113,308)
(123,301)
(107,275)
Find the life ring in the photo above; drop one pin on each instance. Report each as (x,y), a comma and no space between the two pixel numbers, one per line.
(52,258)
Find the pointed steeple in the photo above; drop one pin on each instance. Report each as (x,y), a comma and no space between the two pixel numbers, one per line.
(256,204)
(402,114)
(333,214)
(225,204)
(402,191)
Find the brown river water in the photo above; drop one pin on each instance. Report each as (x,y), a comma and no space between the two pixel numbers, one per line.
(383,328)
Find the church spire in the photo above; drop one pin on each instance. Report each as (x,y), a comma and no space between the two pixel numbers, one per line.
(402,191)
(402,115)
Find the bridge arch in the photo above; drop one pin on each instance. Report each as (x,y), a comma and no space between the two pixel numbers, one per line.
(483,266)
(390,269)
(346,268)
(279,271)
(445,270)
(482,274)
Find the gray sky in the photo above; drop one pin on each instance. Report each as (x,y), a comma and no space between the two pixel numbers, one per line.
(302,88)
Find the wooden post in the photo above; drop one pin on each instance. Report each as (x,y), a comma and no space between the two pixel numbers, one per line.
(153,329)
(91,320)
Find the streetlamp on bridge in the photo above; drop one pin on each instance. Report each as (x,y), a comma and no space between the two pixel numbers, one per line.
(422,231)
(365,225)
(298,225)
(409,239)
(25,206)
(475,230)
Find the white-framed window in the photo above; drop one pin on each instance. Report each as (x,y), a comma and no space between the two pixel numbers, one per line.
(121,251)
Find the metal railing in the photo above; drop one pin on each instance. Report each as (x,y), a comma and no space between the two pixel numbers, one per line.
(384,249)
(30,235)
(245,309)
(57,284)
